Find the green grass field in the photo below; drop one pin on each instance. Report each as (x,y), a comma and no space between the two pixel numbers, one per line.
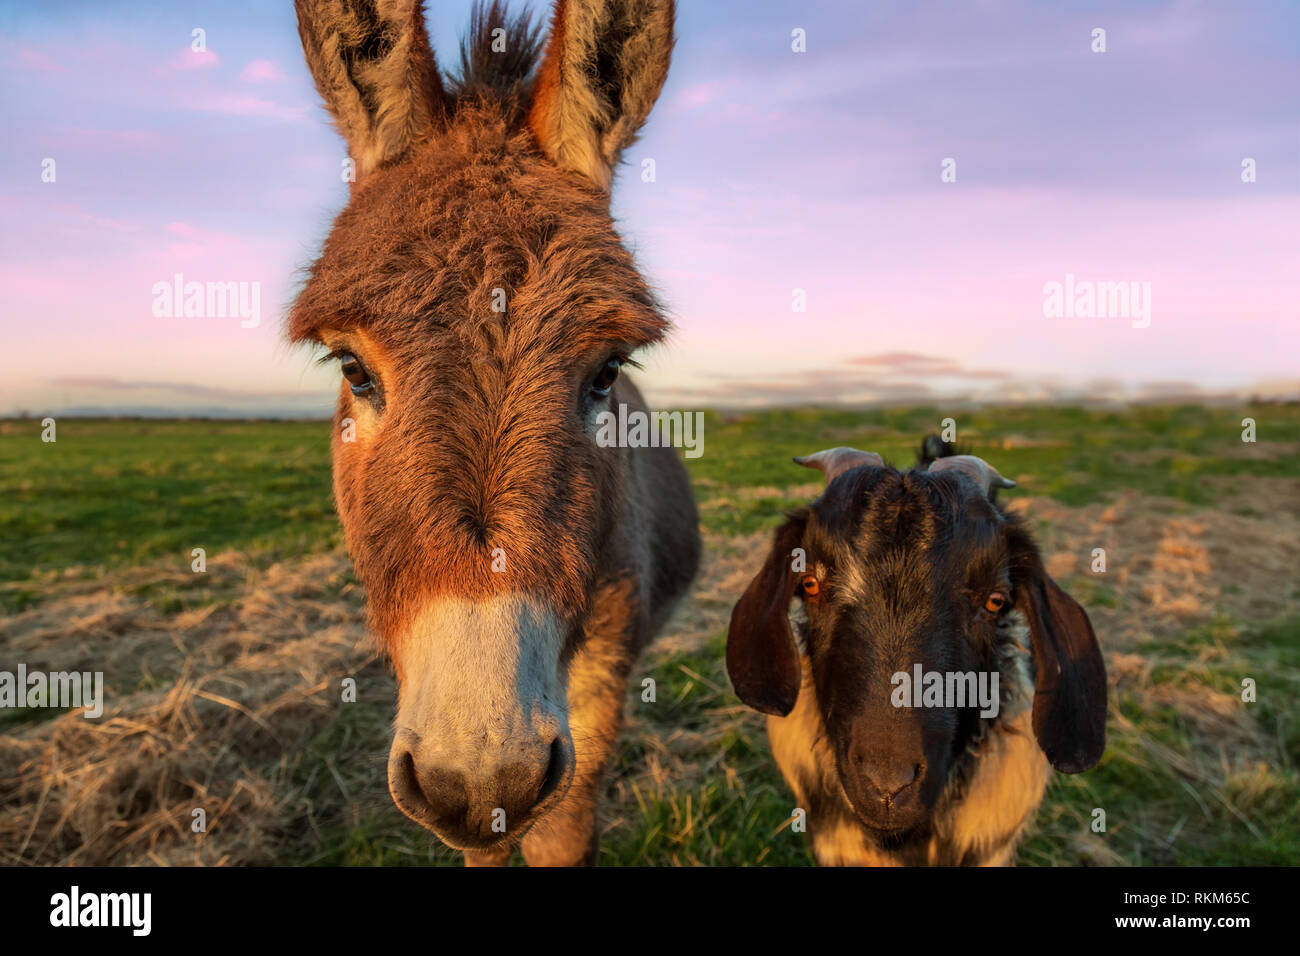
(97,532)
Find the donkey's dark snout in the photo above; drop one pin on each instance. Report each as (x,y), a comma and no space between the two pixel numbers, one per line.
(479,809)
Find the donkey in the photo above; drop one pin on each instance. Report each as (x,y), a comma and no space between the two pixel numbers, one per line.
(890,574)
(481,308)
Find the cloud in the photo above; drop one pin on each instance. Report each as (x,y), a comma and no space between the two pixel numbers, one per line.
(37,61)
(186,392)
(261,71)
(109,140)
(189,59)
(913,378)
(703,94)
(95,396)
(188,243)
(231,104)
(914,363)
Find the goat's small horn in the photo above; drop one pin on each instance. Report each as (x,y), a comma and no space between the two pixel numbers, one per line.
(977,469)
(835,461)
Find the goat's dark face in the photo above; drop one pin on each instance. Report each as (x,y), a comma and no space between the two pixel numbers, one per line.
(893,577)
(902,570)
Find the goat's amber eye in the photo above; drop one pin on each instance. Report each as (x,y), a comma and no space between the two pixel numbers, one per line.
(808,584)
(604,380)
(996,602)
(355,373)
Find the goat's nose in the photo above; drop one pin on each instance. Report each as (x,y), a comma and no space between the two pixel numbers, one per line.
(477,810)
(894,781)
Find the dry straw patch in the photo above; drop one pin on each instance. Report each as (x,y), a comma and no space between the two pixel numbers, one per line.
(1168,567)
(244,686)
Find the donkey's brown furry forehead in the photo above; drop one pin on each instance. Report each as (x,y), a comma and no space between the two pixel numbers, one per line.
(425,244)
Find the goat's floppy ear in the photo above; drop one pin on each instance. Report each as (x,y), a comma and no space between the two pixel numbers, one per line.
(375,71)
(762,659)
(1070,677)
(605,64)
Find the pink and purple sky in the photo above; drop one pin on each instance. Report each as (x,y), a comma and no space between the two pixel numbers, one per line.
(775,171)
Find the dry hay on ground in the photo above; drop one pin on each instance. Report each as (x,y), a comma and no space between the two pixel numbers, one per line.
(204,710)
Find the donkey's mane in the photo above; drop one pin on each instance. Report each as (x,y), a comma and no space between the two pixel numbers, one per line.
(486,74)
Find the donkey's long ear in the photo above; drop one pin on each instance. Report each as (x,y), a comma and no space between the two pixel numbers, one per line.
(1070,677)
(375,71)
(762,659)
(605,64)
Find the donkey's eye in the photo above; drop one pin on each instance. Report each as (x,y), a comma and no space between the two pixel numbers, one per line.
(810,586)
(604,380)
(356,374)
(996,603)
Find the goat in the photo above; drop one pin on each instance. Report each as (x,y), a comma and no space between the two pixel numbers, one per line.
(481,306)
(903,574)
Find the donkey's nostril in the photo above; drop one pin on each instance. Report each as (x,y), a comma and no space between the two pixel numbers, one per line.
(554,771)
(404,782)
(429,796)
(445,792)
